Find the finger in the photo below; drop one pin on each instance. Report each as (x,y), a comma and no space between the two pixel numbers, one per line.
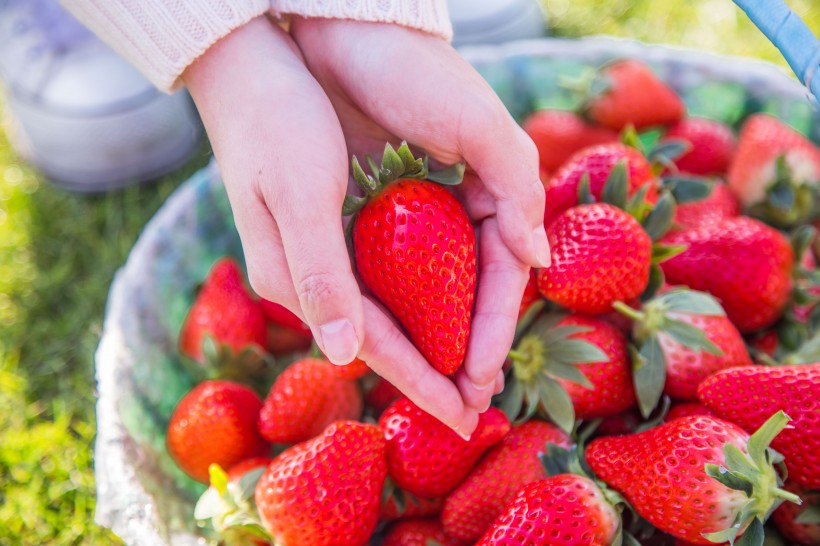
(501,286)
(308,213)
(268,271)
(474,397)
(499,383)
(391,355)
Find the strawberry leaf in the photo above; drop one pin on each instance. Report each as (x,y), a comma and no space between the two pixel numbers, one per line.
(533,399)
(575,351)
(660,219)
(661,252)
(512,398)
(392,165)
(557,403)
(753,535)
(668,150)
(689,336)
(570,373)
(637,206)
(760,440)
(727,535)
(584,191)
(656,280)
(732,480)
(649,374)
(352,204)
(691,301)
(688,189)
(616,188)
(451,176)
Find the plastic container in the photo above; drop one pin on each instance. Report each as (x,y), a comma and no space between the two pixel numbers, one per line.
(142,496)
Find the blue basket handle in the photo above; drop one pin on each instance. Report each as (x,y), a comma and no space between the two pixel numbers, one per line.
(790,35)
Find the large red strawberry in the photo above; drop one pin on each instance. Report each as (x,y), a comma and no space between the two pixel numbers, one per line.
(558,134)
(600,255)
(787,517)
(415,250)
(747,395)
(744,263)
(507,467)
(306,398)
(682,337)
(575,367)
(326,491)
(427,458)
(215,423)
(681,478)
(629,93)
(712,145)
(561,510)
(597,163)
(417,532)
(775,170)
(720,204)
(225,311)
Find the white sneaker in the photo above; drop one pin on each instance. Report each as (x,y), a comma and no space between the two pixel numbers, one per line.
(78,111)
(478,22)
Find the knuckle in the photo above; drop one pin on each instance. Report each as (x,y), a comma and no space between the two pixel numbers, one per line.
(318,289)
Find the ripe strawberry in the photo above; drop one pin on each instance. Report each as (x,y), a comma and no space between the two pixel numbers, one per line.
(744,263)
(415,250)
(428,459)
(747,395)
(558,134)
(224,310)
(417,532)
(688,409)
(782,193)
(600,254)
(561,510)
(597,162)
(381,395)
(325,491)
(632,95)
(352,370)
(674,475)
(573,368)
(306,398)
(507,467)
(531,295)
(786,517)
(215,423)
(719,205)
(683,337)
(712,145)
(280,316)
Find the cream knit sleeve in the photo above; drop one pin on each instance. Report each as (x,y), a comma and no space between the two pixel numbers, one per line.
(162,37)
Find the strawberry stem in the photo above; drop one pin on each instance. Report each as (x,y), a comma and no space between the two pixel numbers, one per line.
(628,311)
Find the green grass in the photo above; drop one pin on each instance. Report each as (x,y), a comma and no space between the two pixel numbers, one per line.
(58,254)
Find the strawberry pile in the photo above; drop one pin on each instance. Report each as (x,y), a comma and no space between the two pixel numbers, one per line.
(663,386)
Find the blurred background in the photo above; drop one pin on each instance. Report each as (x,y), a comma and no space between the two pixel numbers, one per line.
(59,251)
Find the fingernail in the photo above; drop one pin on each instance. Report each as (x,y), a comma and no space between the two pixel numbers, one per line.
(467,426)
(499,383)
(542,247)
(465,437)
(483,387)
(339,342)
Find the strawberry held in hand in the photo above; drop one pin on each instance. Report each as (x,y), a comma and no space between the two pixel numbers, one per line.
(427,458)
(697,478)
(747,395)
(415,250)
(326,491)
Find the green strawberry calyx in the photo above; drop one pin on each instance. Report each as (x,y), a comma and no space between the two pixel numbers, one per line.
(792,196)
(648,358)
(396,164)
(228,507)
(545,353)
(754,474)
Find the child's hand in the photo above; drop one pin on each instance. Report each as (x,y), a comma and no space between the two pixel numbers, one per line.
(386,82)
